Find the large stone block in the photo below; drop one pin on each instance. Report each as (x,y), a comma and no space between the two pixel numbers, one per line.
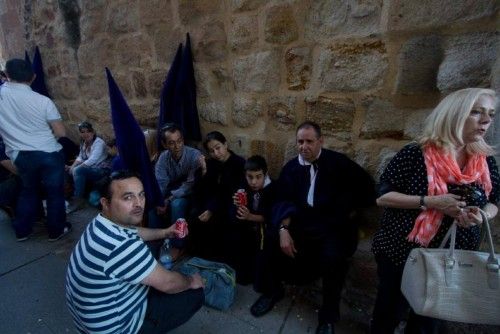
(280,25)
(94,87)
(95,55)
(282,112)
(213,111)
(211,44)
(245,5)
(135,50)
(298,63)
(468,60)
(154,12)
(419,61)
(352,67)
(410,14)
(376,123)
(91,24)
(334,115)
(271,151)
(122,17)
(139,84)
(246,111)
(155,82)
(258,72)
(213,81)
(327,19)
(64,88)
(194,11)
(165,41)
(414,123)
(244,32)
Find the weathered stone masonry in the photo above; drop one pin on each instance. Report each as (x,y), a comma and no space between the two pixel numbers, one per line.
(368,71)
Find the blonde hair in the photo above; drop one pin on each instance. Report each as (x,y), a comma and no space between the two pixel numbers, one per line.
(444,126)
(151,143)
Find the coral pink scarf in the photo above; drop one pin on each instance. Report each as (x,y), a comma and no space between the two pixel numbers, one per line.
(442,168)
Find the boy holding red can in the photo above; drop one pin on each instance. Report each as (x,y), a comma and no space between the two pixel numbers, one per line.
(253,211)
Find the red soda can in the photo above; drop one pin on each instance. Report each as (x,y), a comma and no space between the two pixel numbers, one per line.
(242,197)
(181,226)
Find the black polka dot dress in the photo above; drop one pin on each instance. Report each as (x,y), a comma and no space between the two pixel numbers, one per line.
(406,173)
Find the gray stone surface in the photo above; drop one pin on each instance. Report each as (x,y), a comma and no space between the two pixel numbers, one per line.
(282,112)
(327,18)
(411,14)
(468,60)
(243,33)
(258,72)
(244,5)
(376,125)
(246,111)
(334,115)
(298,62)
(280,26)
(213,111)
(419,61)
(351,67)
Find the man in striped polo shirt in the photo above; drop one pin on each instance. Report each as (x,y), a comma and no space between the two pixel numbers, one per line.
(111,270)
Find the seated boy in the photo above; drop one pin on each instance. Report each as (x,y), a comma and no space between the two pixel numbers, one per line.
(251,224)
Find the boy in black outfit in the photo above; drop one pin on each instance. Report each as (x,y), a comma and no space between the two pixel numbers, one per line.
(253,220)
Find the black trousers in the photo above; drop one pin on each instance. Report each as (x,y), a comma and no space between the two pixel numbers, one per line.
(391,306)
(168,311)
(315,257)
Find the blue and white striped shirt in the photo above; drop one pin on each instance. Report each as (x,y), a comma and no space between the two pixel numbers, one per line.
(103,289)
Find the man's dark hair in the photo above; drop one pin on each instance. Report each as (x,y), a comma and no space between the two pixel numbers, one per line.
(172,128)
(104,184)
(256,163)
(310,125)
(214,135)
(19,70)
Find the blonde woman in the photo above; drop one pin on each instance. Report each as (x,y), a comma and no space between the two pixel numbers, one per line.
(151,137)
(425,187)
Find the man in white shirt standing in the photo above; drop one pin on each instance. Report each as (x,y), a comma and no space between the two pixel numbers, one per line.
(29,125)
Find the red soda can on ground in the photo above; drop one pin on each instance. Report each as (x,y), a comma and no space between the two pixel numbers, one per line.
(242,197)
(181,226)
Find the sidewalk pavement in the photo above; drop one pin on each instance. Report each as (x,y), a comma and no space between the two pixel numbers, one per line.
(32,275)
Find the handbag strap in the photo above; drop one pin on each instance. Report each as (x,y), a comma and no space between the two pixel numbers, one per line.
(492,264)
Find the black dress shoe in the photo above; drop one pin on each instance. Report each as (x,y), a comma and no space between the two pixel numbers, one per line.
(266,303)
(325,328)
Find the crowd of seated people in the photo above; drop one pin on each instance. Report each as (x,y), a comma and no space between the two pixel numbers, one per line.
(296,228)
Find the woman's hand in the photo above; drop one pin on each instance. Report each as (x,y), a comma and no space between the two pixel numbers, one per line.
(205,216)
(449,204)
(470,216)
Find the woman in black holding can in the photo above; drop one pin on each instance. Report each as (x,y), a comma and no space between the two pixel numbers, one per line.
(222,175)
(448,175)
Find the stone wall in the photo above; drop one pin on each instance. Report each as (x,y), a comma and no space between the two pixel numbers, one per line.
(368,71)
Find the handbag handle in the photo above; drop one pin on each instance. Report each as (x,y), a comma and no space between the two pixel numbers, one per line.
(492,265)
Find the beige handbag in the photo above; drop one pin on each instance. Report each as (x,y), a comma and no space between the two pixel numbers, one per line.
(454,285)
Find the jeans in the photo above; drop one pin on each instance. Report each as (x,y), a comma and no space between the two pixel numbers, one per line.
(82,174)
(40,169)
(168,311)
